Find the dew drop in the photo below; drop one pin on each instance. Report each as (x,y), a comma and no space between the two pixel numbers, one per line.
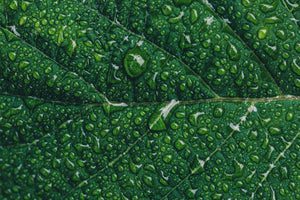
(162,115)
(296,66)
(252,18)
(194,15)
(135,62)
(274,130)
(247,3)
(180,144)
(268,7)
(23,64)
(262,33)
(218,111)
(254,158)
(233,52)
(167,9)
(167,158)
(289,116)
(12,55)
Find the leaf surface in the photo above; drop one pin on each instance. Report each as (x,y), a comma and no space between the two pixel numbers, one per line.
(149,99)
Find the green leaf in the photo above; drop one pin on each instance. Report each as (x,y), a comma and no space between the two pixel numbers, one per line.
(149,99)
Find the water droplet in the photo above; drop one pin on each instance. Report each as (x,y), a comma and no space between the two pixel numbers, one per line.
(167,9)
(273,20)
(252,18)
(262,33)
(180,144)
(134,167)
(175,20)
(159,118)
(23,64)
(193,119)
(135,62)
(45,172)
(281,34)
(268,7)
(12,55)
(52,31)
(25,5)
(289,115)
(194,15)
(14,5)
(284,172)
(23,20)
(283,66)
(274,130)
(148,180)
(218,111)
(206,43)
(296,66)
(36,75)
(56,163)
(70,164)
(225,187)
(255,158)
(167,158)
(216,196)
(190,193)
(271,50)
(203,130)
(233,52)
(247,3)
(89,127)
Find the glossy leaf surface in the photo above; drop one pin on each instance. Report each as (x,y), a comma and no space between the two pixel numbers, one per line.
(149,99)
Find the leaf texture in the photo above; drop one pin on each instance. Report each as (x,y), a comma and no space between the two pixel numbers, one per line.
(110,99)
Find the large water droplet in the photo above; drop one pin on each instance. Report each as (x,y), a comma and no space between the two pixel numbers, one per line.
(262,33)
(218,111)
(274,130)
(264,7)
(135,62)
(296,66)
(166,9)
(233,52)
(158,120)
